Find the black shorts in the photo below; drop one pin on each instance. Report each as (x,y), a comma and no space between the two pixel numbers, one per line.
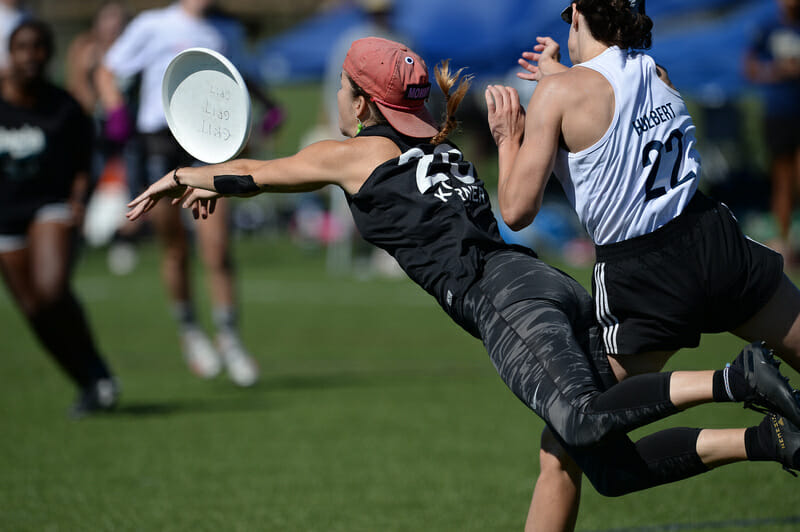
(697,274)
(160,153)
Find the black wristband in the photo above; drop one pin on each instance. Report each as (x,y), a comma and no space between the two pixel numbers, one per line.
(235,184)
(175,176)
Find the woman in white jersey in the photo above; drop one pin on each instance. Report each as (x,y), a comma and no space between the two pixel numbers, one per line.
(671,263)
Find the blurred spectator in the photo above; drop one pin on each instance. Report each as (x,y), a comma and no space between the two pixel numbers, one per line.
(84,56)
(146,47)
(87,51)
(234,34)
(11,14)
(773,62)
(45,141)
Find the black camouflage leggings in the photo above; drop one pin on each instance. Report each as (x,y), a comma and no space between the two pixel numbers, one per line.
(538,327)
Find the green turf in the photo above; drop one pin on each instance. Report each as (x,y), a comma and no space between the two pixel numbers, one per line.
(374,413)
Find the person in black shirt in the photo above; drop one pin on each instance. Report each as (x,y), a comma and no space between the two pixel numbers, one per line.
(413,194)
(45,140)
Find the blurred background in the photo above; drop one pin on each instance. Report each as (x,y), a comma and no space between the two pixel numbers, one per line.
(288,47)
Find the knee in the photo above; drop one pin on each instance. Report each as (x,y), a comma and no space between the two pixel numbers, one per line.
(217,260)
(176,253)
(556,465)
(577,428)
(554,459)
(48,294)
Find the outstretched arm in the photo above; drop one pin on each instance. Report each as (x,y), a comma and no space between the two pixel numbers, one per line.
(345,163)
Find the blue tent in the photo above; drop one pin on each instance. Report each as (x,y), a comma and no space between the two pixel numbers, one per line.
(700,42)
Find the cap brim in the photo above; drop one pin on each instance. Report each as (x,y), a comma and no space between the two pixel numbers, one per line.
(566,15)
(418,124)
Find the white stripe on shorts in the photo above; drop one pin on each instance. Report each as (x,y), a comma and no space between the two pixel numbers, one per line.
(605,318)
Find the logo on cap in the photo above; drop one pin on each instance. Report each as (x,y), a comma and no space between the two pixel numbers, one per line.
(418,92)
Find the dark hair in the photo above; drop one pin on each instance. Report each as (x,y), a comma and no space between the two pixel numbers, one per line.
(39,26)
(613,22)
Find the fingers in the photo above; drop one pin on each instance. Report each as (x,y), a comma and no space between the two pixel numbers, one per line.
(490,106)
(141,208)
(182,198)
(546,41)
(505,98)
(140,198)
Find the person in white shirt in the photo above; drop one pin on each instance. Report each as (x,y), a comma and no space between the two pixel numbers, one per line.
(10,16)
(671,263)
(145,48)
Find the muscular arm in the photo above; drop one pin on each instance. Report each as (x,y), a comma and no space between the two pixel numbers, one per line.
(345,163)
(524,170)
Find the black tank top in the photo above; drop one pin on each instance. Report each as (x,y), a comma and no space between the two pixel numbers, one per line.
(428,209)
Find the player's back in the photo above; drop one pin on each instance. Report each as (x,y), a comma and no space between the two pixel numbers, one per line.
(643,171)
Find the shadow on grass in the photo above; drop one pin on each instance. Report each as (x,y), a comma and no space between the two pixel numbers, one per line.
(261,397)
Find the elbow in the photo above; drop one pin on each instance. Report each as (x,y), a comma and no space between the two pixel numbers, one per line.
(517,218)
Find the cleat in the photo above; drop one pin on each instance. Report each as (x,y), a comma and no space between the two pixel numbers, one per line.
(769,390)
(199,353)
(242,368)
(786,439)
(101,396)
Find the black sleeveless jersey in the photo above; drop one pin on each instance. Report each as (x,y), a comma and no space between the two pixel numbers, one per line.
(428,209)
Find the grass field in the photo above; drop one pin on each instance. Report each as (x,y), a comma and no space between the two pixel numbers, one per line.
(374,413)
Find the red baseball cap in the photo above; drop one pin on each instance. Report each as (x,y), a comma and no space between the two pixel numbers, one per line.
(396,79)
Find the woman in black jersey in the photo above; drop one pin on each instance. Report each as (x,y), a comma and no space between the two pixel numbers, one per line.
(44,182)
(413,194)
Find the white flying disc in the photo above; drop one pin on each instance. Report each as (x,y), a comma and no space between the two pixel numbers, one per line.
(206,104)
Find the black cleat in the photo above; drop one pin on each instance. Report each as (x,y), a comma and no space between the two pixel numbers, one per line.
(769,391)
(786,440)
(101,396)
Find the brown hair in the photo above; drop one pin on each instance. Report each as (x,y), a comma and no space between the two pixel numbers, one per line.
(446,80)
(613,22)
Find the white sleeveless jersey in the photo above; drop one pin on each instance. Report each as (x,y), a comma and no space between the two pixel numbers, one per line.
(644,170)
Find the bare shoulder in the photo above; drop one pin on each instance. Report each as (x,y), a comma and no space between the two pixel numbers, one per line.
(587,79)
(374,148)
(354,160)
(575,88)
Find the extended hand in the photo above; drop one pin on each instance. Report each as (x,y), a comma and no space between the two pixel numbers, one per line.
(201,201)
(506,115)
(166,187)
(547,56)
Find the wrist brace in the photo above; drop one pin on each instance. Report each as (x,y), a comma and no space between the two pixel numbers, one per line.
(235,184)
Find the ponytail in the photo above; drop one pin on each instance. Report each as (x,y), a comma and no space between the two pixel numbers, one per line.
(447,80)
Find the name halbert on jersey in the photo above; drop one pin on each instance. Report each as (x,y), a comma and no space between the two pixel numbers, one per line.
(447,171)
(654,117)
